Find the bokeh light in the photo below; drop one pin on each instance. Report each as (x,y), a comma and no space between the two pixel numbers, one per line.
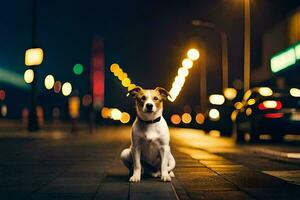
(114,67)
(125,117)
(216,99)
(186,118)
(2,95)
(49,82)
(265,91)
(193,54)
(57,86)
(29,76)
(34,56)
(116,114)
(126,82)
(78,69)
(66,89)
(183,72)
(175,119)
(230,93)
(295,92)
(200,118)
(214,114)
(187,63)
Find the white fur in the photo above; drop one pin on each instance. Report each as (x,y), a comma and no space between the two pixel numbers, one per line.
(150,145)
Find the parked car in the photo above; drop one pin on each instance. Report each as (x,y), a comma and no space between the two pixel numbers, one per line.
(263,112)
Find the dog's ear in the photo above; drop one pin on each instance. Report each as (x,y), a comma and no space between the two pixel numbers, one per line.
(163,92)
(133,92)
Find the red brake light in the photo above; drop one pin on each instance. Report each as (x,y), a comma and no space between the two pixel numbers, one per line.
(270,104)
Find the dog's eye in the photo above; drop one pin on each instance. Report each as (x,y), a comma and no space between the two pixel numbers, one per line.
(155,98)
(143,98)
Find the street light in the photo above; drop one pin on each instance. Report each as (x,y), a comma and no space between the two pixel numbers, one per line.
(224,48)
(33,58)
(247,49)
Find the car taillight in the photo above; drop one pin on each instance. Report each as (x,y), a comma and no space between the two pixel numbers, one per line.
(270,104)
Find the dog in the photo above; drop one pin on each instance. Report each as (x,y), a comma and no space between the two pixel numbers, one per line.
(149,152)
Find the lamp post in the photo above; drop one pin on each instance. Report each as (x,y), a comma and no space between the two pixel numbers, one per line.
(224,48)
(33,58)
(247,35)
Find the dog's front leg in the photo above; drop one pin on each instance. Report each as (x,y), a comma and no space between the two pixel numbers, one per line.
(136,155)
(164,153)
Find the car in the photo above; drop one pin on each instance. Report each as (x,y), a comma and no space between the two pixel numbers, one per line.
(263,111)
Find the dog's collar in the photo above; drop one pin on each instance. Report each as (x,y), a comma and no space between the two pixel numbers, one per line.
(150,121)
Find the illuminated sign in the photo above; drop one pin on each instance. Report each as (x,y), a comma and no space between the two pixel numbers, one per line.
(97,73)
(285,58)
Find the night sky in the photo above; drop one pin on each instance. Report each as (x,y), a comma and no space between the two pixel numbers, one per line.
(147,38)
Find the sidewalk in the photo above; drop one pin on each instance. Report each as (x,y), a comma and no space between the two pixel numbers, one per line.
(87,166)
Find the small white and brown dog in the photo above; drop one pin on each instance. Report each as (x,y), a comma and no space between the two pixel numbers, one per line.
(149,152)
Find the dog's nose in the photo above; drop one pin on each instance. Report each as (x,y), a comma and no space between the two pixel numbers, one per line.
(149,106)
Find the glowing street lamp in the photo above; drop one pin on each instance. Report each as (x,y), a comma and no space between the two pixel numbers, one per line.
(34,56)
(187,63)
(193,54)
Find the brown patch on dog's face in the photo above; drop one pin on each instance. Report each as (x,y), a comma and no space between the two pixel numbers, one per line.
(149,101)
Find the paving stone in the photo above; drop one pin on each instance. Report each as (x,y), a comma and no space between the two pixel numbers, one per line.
(220,195)
(72,185)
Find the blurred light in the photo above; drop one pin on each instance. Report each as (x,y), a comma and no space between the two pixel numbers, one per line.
(78,69)
(270,104)
(283,60)
(125,117)
(183,72)
(248,111)
(265,91)
(214,133)
(116,114)
(57,86)
(230,93)
(114,67)
(34,56)
(295,92)
(74,107)
(273,115)
(2,95)
(122,76)
(86,100)
(175,119)
(40,115)
(193,54)
(67,89)
(214,114)
(186,118)
(131,86)
(216,99)
(118,71)
(49,82)
(200,118)
(126,82)
(3,110)
(297,51)
(251,102)
(247,94)
(29,76)
(105,112)
(187,63)
(238,105)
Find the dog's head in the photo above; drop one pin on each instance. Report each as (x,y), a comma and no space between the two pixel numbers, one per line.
(149,103)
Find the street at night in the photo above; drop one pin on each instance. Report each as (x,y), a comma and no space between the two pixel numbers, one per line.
(57,165)
(137,99)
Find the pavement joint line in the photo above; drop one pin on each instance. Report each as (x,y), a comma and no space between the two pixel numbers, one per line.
(175,184)
(98,187)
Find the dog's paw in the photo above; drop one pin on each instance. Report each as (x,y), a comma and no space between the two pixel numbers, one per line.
(171,173)
(135,178)
(156,174)
(166,178)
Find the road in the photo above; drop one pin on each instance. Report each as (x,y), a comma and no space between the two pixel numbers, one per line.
(59,165)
